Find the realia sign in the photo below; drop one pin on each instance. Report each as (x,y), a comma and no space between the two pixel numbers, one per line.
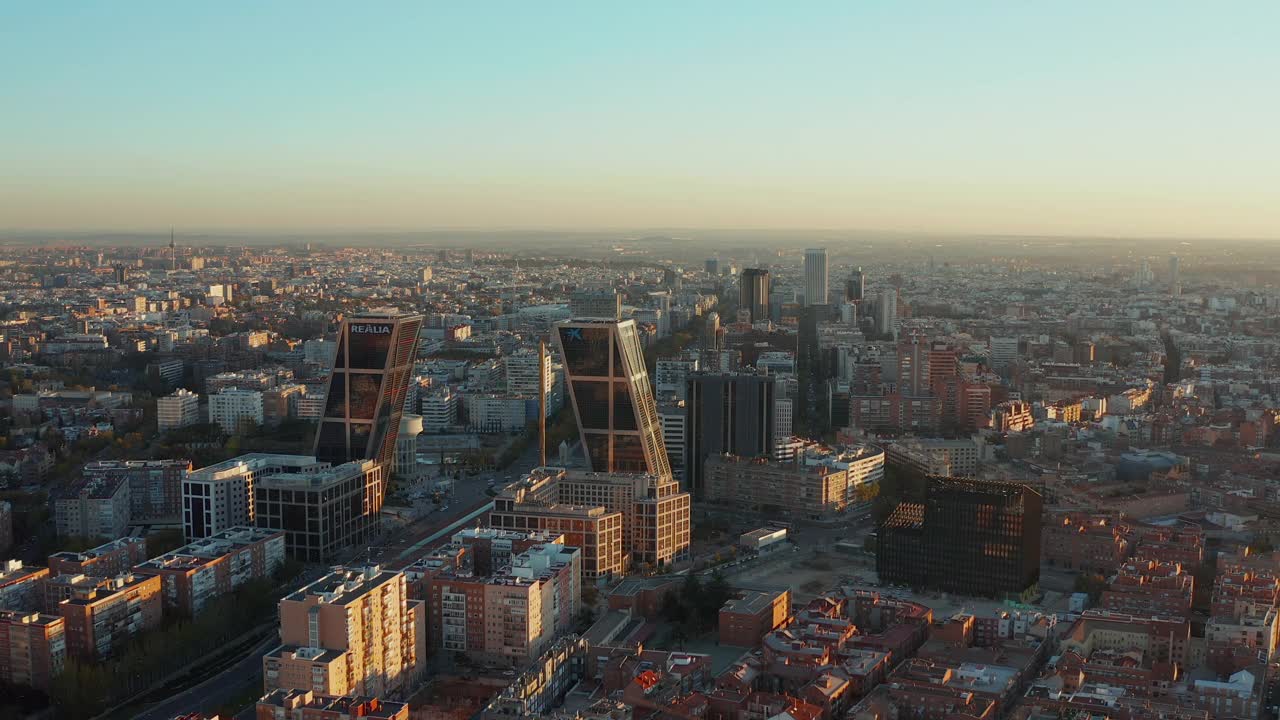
(371,329)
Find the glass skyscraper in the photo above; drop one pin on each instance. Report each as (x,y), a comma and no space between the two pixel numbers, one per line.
(609,388)
(371,373)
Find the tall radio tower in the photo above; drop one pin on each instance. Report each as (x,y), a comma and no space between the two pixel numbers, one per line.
(173,252)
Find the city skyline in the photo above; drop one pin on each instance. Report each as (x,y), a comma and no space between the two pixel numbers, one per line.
(1088,120)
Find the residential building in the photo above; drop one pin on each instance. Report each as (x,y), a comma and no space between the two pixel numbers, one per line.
(522,370)
(614,405)
(97,508)
(371,373)
(969,537)
(236,410)
(33,648)
(6,526)
(751,614)
(155,486)
(205,569)
(494,413)
(819,483)
(439,409)
(21,586)
(108,560)
(604,304)
(178,410)
(510,608)
(104,613)
(307,705)
(352,632)
(672,417)
(653,515)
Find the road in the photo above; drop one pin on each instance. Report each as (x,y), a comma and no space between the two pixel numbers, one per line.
(209,695)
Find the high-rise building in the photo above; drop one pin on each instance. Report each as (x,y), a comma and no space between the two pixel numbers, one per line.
(913,366)
(178,410)
(887,312)
(352,632)
(712,266)
(424,275)
(1175,279)
(855,288)
(711,332)
(726,413)
(6,526)
(753,293)
(969,537)
(322,510)
(815,276)
(371,373)
(609,387)
(1003,352)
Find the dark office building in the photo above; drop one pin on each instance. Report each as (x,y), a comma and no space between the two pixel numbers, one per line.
(370,378)
(855,286)
(753,293)
(970,537)
(726,413)
(814,367)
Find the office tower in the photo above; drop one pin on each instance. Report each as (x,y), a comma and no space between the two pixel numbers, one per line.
(370,377)
(178,410)
(970,537)
(711,332)
(6,526)
(609,387)
(605,303)
(322,509)
(815,276)
(813,370)
(753,293)
(887,312)
(425,275)
(855,287)
(1175,280)
(442,256)
(713,266)
(354,631)
(726,413)
(669,278)
(471,256)
(1003,352)
(118,274)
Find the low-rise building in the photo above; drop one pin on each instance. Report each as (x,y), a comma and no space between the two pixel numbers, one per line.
(820,483)
(179,410)
(322,510)
(308,705)
(751,614)
(236,409)
(155,486)
(21,586)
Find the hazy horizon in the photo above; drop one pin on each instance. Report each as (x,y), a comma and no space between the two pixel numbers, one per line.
(981,119)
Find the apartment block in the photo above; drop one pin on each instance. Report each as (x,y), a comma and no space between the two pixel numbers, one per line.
(103,613)
(21,586)
(33,648)
(236,409)
(354,631)
(205,569)
(108,560)
(751,614)
(179,410)
(820,483)
(97,508)
(155,486)
(307,705)
(503,604)
(652,524)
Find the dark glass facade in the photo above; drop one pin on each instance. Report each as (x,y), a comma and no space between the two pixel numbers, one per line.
(753,293)
(970,537)
(367,388)
(611,397)
(726,413)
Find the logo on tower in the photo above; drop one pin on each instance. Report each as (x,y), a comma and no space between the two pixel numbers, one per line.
(371,329)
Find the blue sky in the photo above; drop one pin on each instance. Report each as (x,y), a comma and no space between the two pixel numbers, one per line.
(1132,118)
